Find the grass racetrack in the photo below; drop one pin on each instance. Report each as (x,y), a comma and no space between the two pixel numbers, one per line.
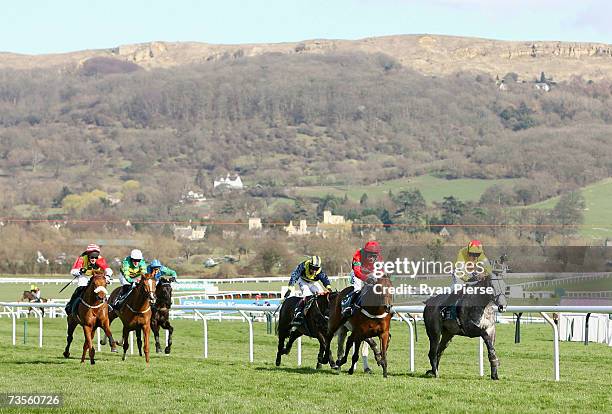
(227,382)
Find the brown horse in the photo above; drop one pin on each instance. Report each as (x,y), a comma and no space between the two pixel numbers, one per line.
(373,318)
(161,313)
(135,313)
(91,313)
(28,296)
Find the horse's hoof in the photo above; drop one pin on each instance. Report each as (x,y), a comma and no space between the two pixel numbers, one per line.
(430,374)
(318,365)
(114,350)
(277,363)
(350,371)
(495,378)
(93,362)
(367,370)
(167,350)
(158,350)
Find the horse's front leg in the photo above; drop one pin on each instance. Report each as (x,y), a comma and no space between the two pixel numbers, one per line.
(126,345)
(108,334)
(155,329)
(170,329)
(280,349)
(71,327)
(147,332)
(292,337)
(434,340)
(347,349)
(139,340)
(493,360)
(322,347)
(87,332)
(355,358)
(384,345)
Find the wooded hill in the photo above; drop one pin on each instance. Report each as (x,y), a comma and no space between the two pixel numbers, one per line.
(290,120)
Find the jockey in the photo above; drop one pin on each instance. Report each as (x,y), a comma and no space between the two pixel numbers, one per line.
(159,270)
(132,267)
(471,266)
(305,275)
(363,267)
(83,268)
(35,292)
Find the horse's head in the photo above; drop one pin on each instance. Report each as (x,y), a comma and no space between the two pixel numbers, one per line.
(500,267)
(377,292)
(148,283)
(163,290)
(323,300)
(98,282)
(499,291)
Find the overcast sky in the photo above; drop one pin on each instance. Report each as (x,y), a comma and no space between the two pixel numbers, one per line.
(45,26)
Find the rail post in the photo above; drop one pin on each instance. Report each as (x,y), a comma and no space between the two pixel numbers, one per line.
(480,356)
(517,328)
(299,351)
(552,323)
(411,343)
(14,317)
(250,322)
(205,331)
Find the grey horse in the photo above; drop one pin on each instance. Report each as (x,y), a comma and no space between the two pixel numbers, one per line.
(475,318)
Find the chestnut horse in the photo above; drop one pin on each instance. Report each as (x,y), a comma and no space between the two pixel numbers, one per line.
(373,318)
(135,313)
(91,313)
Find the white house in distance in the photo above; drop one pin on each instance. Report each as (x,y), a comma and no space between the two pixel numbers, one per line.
(228,182)
(255,223)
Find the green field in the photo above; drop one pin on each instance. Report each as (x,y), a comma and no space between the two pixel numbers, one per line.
(582,285)
(432,188)
(227,382)
(598,212)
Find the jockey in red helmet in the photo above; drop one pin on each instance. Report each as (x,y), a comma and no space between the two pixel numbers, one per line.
(362,268)
(83,268)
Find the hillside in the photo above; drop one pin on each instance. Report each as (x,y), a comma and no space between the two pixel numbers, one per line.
(432,55)
(597,214)
(337,117)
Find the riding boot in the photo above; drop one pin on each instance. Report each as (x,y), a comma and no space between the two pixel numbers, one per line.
(348,311)
(123,293)
(298,317)
(75,295)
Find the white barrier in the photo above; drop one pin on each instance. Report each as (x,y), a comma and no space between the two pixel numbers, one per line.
(242,309)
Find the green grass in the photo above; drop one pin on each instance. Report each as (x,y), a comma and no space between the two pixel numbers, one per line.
(597,215)
(432,188)
(582,285)
(227,382)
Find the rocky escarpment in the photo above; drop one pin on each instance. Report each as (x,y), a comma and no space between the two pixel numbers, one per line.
(429,54)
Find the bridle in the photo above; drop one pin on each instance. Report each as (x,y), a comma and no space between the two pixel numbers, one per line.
(140,285)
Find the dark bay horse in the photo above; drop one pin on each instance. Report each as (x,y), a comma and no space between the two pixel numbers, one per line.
(161,313)
(135,313)
(91,313)
(315,321)
(475,318)
(28,296)
(372,319)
